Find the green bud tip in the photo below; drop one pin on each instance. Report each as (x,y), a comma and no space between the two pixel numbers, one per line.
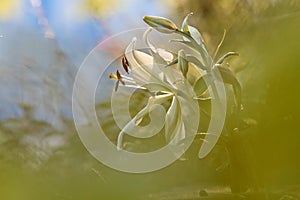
(161,24)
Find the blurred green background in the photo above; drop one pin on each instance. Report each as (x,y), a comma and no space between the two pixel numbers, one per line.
(42,44)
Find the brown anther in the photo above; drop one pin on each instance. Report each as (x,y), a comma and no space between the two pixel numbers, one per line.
(120,77)
(117,77)
(125,64)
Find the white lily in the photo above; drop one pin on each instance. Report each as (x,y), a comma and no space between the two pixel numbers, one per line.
(165,83)
(182,80)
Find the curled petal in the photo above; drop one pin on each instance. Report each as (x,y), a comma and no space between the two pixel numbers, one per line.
(144,70)
(166,55)
(159,99)
(172,119)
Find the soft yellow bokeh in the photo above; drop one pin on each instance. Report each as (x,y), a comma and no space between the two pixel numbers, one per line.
(102,7)
(9,8)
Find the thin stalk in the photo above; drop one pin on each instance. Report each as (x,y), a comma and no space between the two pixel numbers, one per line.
(219,45)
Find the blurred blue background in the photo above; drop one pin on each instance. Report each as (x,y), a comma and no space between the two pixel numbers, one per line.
(43,43)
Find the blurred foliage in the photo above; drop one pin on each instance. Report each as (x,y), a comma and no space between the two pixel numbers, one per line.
(101,7)
(265,34)
(212,17)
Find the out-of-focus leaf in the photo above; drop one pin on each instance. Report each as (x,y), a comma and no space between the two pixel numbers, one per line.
(8,8)
(246,123)
(229,77)
(219,45)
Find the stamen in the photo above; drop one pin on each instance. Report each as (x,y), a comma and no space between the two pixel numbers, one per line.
(120,77)
(128,81)
(125,64)
(117,85)
(113,76)
(135,86)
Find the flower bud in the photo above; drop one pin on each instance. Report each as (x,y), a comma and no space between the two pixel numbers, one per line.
(161,24)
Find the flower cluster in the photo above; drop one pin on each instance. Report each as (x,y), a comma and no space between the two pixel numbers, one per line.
(173,77)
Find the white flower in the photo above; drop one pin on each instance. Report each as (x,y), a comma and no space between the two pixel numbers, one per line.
(152,73)
(181,79)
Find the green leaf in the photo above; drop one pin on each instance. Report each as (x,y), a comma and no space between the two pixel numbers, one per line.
(221,60)
(201,85)
(194,73)
(175,61)
(196,61)
(185,26)
(200,45)
(196,35)
(193,47)
(182,62)
(229,77)
(174,127)
(185,42)
(219,45)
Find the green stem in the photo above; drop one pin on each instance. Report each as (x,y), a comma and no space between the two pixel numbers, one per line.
(208,59)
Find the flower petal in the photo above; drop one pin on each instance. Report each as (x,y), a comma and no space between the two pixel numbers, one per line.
(161,58)
(141,64)
(174,126)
